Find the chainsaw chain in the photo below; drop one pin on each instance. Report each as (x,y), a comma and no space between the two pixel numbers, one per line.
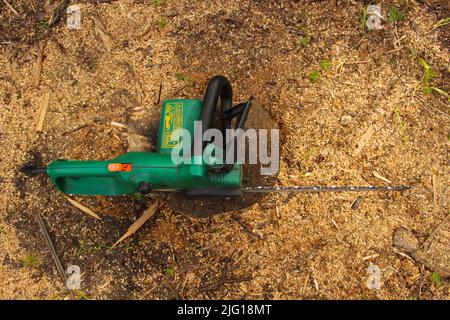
(261,189)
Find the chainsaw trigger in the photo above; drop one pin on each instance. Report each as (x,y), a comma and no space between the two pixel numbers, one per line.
(120,167)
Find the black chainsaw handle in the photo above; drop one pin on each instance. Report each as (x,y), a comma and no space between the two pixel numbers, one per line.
(218,87)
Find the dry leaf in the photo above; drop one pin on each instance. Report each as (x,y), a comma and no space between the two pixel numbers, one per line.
(364,139)
(139,222)
(104,35)
(379,176)
(83,208)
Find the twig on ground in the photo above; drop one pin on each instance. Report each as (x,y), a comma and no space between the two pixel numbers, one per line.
(53,252)
(222,281)
(75,129)
(433,233)
(176,91)
(402,254)
(58,12)
(159,93)
(430,106)
(11,8)
(147,293)
(225,278)
(38,67)
(245,227)
(85,125)
(435,183)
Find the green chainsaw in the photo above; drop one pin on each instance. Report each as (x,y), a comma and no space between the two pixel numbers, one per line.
(156,172)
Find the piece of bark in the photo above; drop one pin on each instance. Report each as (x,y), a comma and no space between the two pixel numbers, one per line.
(433,253)
(404,240)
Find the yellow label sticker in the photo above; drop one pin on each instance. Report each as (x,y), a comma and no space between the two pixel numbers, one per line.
(173,120)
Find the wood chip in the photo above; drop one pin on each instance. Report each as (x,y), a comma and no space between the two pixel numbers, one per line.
(139,222)
(38,67)
(316,284)
(118,124)
(83,208)
(305,283)
(373,256)
(379,176)
(42,112)
(355,204)
(335,224)
(364,139)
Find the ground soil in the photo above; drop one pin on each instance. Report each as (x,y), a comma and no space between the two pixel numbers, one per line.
(303,246)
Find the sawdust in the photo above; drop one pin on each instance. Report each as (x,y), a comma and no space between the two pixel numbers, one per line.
(284,246)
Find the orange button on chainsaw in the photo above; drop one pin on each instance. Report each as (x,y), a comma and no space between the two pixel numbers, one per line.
(116,167)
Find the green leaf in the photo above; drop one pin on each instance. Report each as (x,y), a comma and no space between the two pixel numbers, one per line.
(180,76)
(43,25)
(402,126)
(395,15)
(427,89)
(313,76)
(441,92)
(442,23)
(81,295)
(436,278)
(170,272)
(325,64)
(364,16)
(31,261)
(429,72)
(304,41)
(162,22)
